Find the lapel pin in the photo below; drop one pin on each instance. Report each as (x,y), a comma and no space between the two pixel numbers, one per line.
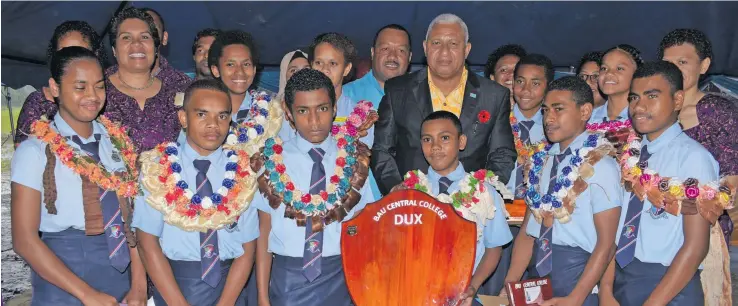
(473,95)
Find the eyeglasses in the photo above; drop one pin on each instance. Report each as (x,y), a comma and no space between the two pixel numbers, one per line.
(586,77)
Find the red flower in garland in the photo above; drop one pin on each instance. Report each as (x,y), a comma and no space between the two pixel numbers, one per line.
(483,116)
(281,168)
(324,195)
(277,149)
(341,161)
(290,186)
(305,198)
(334,179)
(480,174)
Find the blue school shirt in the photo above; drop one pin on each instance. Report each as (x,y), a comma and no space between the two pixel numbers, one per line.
(286,238)
(536,135)
(245,105)
(345,107)
(343,110)
(496,231)
(365,88)
(603,192)
(673,154)
(599,114)
(178,244)
(28,165)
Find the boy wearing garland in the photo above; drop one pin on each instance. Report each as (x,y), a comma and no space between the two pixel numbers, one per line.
(196,230)
(311,184)
(574,196)
(69,186)
(663,234)
(442,139)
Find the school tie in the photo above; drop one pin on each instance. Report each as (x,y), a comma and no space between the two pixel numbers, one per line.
(443,184)
(545,241)
(241,115)
(209,255)
(524,128)
(626,246)
(607,120)
(118,252)
(314,241)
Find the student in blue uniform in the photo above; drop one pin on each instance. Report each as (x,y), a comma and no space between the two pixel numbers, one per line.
(332,53)
(442,139)
(659,256)
(618,65)
(573,254)
(294,275)
(233,59)
(530,80)
(70,266)
(176,259)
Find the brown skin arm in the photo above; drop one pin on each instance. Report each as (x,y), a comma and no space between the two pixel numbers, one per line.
(487,265)
(137,295)
(25,219)
(606,224)
(238,275)
(687,261)
(158,267)
(606,285)
(263,258)
(522,253)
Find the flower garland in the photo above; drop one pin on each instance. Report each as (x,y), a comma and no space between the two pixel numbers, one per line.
(181,206)
(525,151)
(125,184)
(264,121)
(472,200)
(338,186)
(668,192)
(560,203)
(610,126)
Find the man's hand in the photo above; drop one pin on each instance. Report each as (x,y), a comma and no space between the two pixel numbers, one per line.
(466,298)
(97,298)
(136,296)
(363,130)
(398,187)
(563,301)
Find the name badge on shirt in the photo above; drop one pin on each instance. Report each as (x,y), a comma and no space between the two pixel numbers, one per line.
(115,156)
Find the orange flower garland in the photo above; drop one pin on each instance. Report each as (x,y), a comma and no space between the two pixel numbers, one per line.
(525,151)
(124,185)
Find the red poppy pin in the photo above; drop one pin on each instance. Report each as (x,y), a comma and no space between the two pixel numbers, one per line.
(483,116)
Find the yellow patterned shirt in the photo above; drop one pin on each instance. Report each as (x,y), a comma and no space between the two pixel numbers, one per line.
(453,101)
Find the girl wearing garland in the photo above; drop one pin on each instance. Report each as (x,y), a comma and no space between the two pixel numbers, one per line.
(473,195)
(197,234)
(712,120)
(70,181)
(574,196)
(664,231)
(310,185)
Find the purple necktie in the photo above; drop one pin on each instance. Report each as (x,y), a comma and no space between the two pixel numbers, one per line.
(545,237)
(209,255)
(314,241)
(118,252)
(524,127)
(629,234)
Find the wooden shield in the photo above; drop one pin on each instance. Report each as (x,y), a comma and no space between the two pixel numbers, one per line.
(408,249)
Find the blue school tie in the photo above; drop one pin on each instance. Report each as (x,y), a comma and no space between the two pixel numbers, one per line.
(209,255)
(314,241)
(118,252)
(241,115)
(524,127)
(443,184)
(626,246)
(544,243)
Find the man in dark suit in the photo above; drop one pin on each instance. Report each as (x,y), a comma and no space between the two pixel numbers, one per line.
(482,105)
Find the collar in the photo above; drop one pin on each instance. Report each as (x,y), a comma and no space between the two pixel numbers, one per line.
(246,103)
(192,155)
(304,146)
(454,176)
(372,81)
(537,118)
(623,113)
(576,144)
(66,131)
(672,132)
(462,81)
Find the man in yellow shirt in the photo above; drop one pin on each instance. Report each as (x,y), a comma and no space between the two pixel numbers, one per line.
(481,104)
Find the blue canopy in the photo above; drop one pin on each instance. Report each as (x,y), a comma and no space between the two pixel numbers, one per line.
(562,30)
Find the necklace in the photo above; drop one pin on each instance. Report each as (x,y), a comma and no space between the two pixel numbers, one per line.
(151,82)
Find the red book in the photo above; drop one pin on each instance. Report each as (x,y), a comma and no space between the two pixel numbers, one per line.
(529,292)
